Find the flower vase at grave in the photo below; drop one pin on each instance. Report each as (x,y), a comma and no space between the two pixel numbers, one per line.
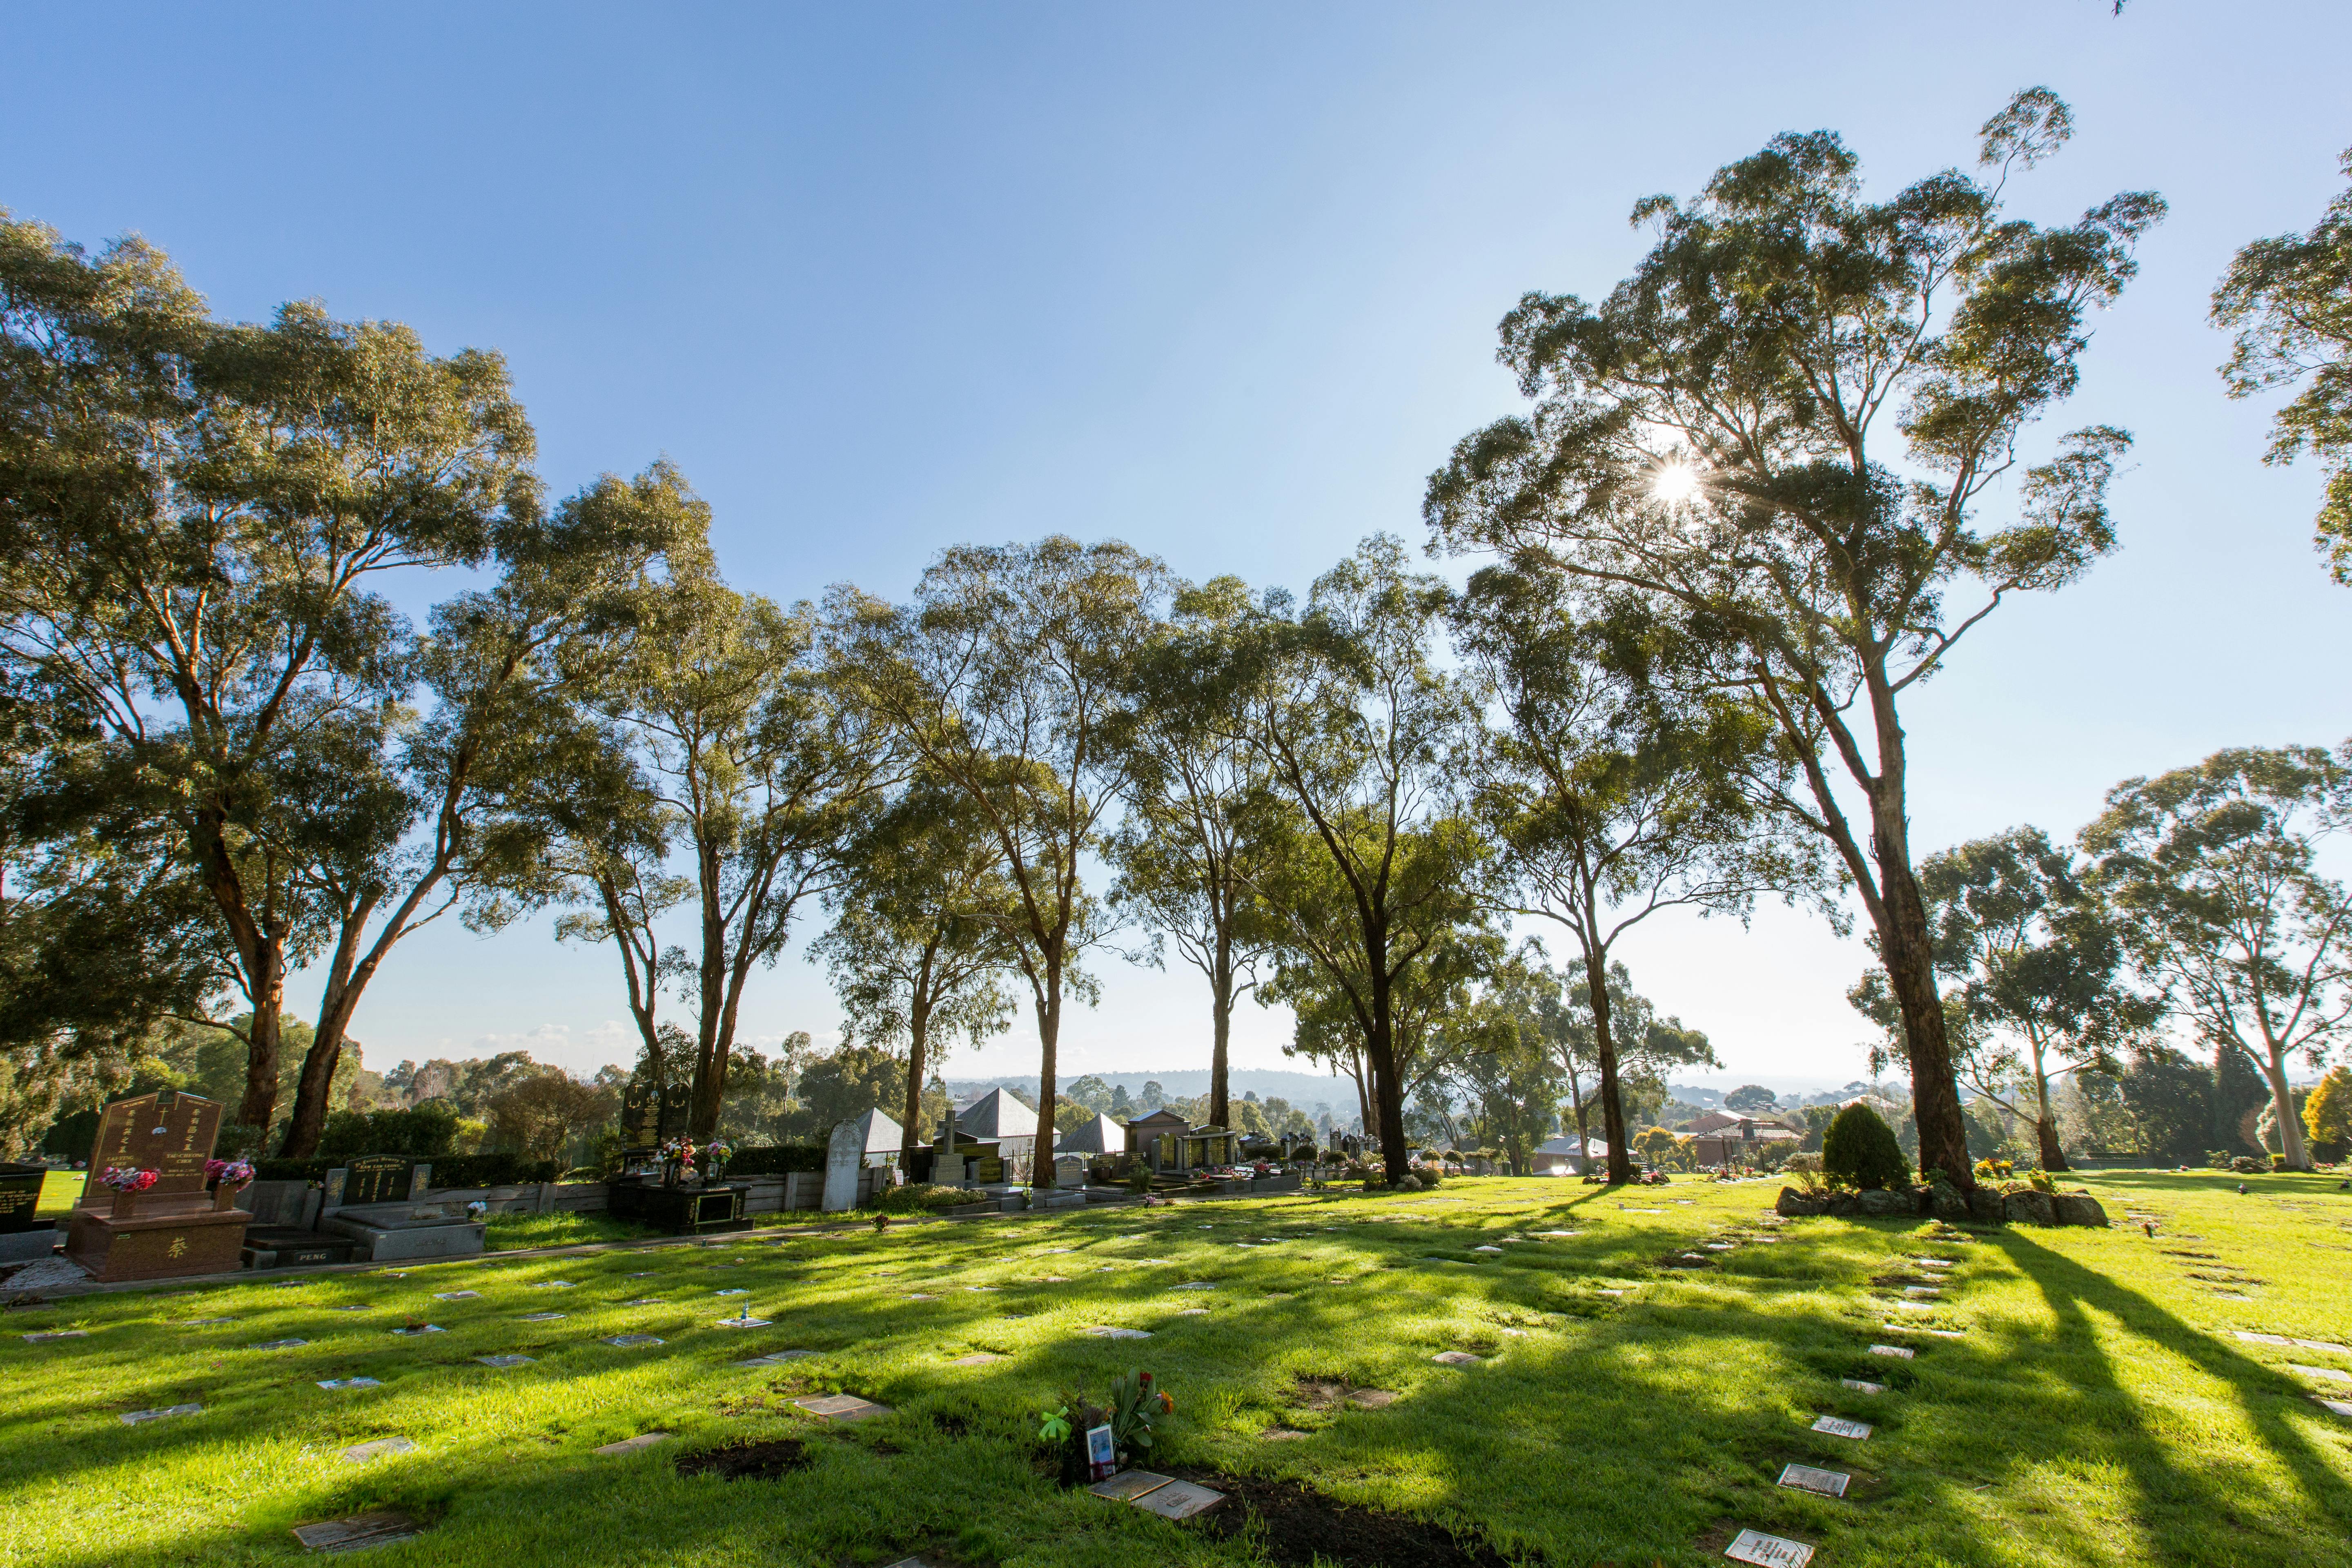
(126,1204)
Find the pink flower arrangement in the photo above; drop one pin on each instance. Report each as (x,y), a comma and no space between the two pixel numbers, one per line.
(128,1180)
(230,1173)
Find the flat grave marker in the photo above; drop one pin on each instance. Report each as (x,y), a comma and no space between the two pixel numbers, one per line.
(141,1417)
(376,1529)
(207,1322)
(504,1362)
(1105,1331)
(742,1322)
(554,1284)
(457,1295)
(350,1382)
(1811,1479)
(1456,1358)
(541,1317)
(420,1329)
(277,1344)
(2327,1373)
(977,1358)
(61,1334)
(1128,1484)
(1839,1426)
(1901,1352)
(2340,1406)
(631,1342)
(361,1453)
(1922,1291)
(1861,1385)
(842,1408)
(631,1445)
(1773,1551)
(734,1293)
(643,1301)
(1179,1500)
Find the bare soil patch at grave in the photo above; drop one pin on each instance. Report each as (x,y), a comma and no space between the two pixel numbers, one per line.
(748,1459)
(1295,1527)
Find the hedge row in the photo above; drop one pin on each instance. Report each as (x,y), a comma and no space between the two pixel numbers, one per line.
(777,1159)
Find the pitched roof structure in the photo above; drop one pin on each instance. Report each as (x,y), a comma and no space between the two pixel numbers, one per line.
(996,1114)
(1097,1134)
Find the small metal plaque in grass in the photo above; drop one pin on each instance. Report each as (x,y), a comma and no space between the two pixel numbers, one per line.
(541,1317)
(420,1329)
(2327,1373)
(2340,1406)
(141,1417)
(843,1407)
(457,1295)
(631,1445)
(207,1322)
(553,1285)
(1454,1358)
(376,1529)
(1179,1500)
(977,1358)
(1900,1352)
(277,1345)
(632,1342)
(1556,1235)
(742,1322)
(1861,1385)
(1197,1285)
(361,1453)
(919,1296)
(1774,1551)
(1839,1426)
(644,1302)
(1105,1331)
(1811,1479)
(350,1382)
(737,1292)
(503,1362)
(1128,1484)
(58,1334)
(1923,1290)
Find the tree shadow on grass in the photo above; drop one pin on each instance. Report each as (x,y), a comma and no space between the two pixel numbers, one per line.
(2262,1397)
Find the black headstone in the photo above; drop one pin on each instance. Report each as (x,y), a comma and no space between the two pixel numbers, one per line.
(378,1179)
(20,1195)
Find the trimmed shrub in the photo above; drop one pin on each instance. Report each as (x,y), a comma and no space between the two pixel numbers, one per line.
(1859,1151)
(923,1197)
(424,1132)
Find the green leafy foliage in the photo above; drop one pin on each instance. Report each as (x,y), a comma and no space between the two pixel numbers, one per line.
(1859,1151)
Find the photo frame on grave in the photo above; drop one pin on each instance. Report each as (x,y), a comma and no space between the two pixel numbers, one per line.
(1102,1455)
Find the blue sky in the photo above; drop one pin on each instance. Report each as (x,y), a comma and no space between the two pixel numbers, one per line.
(1218,279)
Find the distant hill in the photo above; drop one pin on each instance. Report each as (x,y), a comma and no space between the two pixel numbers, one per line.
(1305,1091)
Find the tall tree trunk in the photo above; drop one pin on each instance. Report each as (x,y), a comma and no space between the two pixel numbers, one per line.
(2290,1125)
(1220,984)
(1388,1090)
(261,952)
(919,1034)
(1909,960)
(1604,1048)
(2045,1126)
(1049,1034)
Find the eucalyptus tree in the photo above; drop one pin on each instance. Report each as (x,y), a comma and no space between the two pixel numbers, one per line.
(2213,871)
(1610,794)
(1368,871)
(999,681)
(749,774)
(194,515)
(1711,439)
(410,817)
(1183,850)
(2289,301)
(1650,1045)
(2035,961)
(918,947)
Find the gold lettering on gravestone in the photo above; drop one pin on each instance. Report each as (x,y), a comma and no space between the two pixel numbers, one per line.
(167,1133)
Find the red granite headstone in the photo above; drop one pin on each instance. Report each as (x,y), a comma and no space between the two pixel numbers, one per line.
(174,1227)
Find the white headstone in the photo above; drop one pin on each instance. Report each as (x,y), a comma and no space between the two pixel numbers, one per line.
(843,1158)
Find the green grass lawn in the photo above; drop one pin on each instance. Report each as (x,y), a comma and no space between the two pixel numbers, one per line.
(58,1191)
(2096,1409)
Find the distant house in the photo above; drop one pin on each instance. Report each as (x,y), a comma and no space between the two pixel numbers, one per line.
(1737,1140)
(1097,1134)
(1565,1156)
